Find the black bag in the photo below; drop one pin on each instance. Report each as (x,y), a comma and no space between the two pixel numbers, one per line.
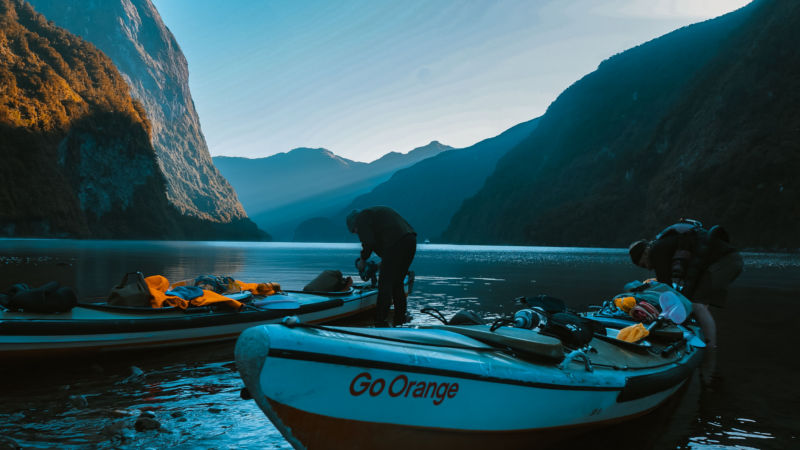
(48,298)
(329,281)
(131,291)
(573,330)
(466,317)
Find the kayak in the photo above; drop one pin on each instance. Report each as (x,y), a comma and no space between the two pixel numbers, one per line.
(454,386)
(100,327)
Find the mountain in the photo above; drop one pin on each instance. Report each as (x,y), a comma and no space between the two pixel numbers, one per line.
(282,190)
(264,184)
(428,193)
(145,52)
(77,157)
(702,122)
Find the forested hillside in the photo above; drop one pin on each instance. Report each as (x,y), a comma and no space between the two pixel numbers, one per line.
(702,122)
(77,157)
(150,60)
(429,192)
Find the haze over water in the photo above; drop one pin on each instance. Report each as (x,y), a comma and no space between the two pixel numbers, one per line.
(194,392)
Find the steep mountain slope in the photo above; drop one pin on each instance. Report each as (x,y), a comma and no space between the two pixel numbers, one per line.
(282,190)
(734,140)
(77,159)
(701,122)
(132,33)
(428,193)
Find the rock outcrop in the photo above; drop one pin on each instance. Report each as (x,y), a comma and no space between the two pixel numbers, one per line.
(77,155)
(133,35)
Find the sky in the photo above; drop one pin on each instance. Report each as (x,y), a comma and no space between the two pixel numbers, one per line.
(363,78)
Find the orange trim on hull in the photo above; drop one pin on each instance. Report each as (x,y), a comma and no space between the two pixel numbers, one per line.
(317,431)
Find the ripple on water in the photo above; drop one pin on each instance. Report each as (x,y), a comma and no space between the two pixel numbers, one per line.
(718,434)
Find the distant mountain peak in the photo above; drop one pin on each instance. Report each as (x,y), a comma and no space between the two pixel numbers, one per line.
(310,182)
(311,150)
(432,145)
(417,154)
(307,155)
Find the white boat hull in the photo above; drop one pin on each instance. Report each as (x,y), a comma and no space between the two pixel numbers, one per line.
(323,390)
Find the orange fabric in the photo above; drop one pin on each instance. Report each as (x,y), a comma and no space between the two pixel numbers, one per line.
(159,285)
(210,297)
(625,303)
(633,333)
(259,288)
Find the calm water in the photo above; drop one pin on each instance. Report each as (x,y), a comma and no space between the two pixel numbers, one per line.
(748,396)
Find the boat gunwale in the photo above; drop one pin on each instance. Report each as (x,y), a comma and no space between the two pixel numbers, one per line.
(385,365)
(37,327)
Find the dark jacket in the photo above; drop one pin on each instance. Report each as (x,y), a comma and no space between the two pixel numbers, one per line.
(700,250)
(379,228)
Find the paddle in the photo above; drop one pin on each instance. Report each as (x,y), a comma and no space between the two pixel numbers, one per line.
(675,307)
(672,308)
(677,310)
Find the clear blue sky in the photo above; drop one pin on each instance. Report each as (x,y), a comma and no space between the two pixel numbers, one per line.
(362,78)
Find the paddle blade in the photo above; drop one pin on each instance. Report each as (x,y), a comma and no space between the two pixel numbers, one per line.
(674,308)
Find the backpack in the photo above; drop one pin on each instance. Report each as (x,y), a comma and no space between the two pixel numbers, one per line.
(573,330)
(48,298)
(684,226)
(691,235)
(329,281)
(131,291)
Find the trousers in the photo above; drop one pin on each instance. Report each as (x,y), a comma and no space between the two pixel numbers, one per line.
(394,266)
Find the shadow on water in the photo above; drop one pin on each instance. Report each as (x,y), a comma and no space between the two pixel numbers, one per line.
(749,397)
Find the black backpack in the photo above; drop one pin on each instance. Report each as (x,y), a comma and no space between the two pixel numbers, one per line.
(48,298)
(573,330)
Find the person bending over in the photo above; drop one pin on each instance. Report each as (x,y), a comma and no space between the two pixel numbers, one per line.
(383,231)
(701,263)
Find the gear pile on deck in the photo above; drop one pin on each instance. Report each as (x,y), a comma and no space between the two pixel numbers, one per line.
(146,312)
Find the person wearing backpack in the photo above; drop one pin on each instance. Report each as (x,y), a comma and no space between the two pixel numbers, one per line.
(700,263)
(383,231)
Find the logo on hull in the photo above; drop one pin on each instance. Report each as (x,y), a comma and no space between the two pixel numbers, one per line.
(402,386)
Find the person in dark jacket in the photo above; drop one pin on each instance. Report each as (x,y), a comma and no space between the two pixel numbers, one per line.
(383,231)
(699,262)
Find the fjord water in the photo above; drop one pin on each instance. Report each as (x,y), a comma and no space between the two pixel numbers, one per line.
(744,396)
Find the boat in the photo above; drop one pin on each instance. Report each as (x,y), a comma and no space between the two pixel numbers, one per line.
(102,327)
(455,386)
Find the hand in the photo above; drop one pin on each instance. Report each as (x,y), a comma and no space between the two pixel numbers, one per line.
(361,264)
